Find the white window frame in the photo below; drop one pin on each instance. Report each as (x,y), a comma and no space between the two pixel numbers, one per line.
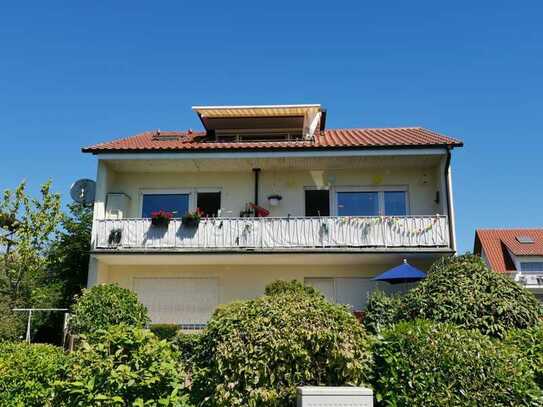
(381,196)
(191,192)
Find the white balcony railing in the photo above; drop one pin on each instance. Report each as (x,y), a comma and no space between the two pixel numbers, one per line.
(276,233)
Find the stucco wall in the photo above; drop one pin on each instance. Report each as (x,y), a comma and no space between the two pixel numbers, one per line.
(238,187)
(237,282)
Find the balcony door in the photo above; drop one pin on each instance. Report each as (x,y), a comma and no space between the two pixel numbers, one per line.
(317,202)
(353,201)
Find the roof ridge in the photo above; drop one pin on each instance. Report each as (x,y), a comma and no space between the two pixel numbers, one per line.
(376,128)
(508,229)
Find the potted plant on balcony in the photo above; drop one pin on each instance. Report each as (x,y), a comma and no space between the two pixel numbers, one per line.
(161,218)
(192,219)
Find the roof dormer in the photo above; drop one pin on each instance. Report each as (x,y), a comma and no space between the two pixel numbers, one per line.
(261,122)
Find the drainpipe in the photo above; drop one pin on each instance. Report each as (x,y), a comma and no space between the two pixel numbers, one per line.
(257,173)
(448,194)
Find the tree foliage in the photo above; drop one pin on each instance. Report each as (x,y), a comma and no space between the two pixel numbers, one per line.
(463,291)
(26,228)
(255,353)
(105,305)
(68,255)
(423,363)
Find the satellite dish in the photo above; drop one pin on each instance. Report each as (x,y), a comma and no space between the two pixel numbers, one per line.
(82,191)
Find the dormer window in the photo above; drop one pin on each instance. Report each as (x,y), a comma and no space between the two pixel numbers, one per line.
(239,137)
(525,240)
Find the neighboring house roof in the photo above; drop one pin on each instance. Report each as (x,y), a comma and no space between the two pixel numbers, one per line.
(176,141)
(497,244)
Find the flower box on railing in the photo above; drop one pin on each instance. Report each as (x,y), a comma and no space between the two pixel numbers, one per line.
(192,219)
(161,218)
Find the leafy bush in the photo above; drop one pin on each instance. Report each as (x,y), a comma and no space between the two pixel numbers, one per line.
(105,305)
(422,363)
(529,343)
(382,311)
(278,287)
(255,353)
(463,291)
(186,344)
(164,331)
(126,366)
(27,373)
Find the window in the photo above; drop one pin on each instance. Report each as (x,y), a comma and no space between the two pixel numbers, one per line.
(176,203)
(357,203)
(395,203)
(371,202)
(209,203)
(532,266)
(317,202)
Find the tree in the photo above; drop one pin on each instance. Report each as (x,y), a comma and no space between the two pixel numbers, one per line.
(26,228)
(69,253)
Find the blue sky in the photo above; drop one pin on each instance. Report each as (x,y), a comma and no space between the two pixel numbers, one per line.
(74,73)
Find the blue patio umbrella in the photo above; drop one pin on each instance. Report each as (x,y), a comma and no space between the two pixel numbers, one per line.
(404,273)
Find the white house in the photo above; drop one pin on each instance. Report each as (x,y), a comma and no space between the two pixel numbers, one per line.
(342,206)
(515,252)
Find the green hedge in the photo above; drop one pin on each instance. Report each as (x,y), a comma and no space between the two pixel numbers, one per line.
(422,363)
(529,343)
(255,353)
(463,291)
(164,331)
(278,287)
(382,311)
(106,305)
(27,373)
(186,344)
(123,366)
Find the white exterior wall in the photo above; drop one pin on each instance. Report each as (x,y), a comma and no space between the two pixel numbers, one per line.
(238,187)
(246,281)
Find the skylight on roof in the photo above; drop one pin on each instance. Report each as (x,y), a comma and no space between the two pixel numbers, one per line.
(525,239)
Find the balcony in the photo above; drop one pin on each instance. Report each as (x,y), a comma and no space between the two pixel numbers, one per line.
(276,234)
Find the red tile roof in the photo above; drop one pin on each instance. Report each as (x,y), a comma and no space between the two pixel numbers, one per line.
(497,243)
(327,139)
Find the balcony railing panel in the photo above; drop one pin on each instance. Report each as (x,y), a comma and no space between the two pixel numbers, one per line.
(277,233)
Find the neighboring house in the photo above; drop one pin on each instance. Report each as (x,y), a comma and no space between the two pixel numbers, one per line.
(344,205)
(516,252)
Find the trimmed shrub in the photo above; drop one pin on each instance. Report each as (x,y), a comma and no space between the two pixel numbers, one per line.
(423,363)
(529,344)
(278,287)
(27,373)
(463,291)
(186,344)
(105,305)
(164,331)
(125,366)
(255,353)
(382,311)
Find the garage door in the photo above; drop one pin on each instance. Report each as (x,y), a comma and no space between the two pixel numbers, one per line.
(183,301)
